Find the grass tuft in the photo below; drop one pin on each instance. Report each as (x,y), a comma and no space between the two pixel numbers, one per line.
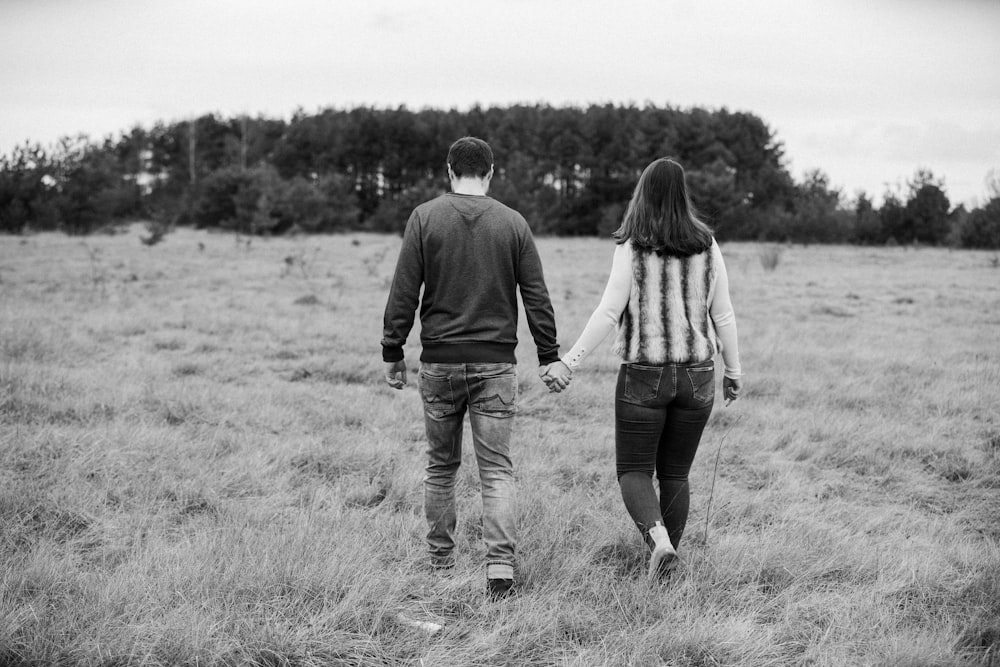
(307,300)
(187,369)
(169,345)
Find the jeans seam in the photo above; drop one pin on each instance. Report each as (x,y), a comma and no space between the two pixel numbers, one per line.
(468,392)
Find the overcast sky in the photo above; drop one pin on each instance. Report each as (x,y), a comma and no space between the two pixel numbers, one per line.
(866,90)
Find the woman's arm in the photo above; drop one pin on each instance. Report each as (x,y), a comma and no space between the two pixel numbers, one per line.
(720,307)
(605,316)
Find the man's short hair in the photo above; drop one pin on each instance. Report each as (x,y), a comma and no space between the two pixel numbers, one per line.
(470,156)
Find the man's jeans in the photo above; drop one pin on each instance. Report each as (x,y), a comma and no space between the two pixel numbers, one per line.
(488,391)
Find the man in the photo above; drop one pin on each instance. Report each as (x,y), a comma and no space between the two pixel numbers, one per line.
(471,254)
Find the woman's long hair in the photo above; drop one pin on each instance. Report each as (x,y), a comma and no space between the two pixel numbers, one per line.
(660,216)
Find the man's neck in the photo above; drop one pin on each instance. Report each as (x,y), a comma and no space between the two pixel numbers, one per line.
(470,186)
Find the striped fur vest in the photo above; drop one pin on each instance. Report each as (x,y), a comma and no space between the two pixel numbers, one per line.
(667,318)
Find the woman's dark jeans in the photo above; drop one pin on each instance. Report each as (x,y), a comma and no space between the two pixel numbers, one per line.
(660,413)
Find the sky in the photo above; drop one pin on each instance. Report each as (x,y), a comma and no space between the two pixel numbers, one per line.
(867,91)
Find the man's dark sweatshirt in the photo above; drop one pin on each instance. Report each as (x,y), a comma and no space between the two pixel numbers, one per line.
(471,254)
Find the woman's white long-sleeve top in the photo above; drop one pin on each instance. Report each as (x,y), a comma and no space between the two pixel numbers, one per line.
(608,314)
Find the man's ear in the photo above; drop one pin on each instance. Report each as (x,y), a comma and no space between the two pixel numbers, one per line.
(451,173)
(489,174)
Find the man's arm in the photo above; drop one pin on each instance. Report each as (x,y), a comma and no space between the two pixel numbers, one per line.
(537,305)
(404,296)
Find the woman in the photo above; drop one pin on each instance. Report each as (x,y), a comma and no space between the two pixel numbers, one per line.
(668,295)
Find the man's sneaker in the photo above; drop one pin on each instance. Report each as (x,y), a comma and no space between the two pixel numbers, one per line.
(498,589)
(499,580)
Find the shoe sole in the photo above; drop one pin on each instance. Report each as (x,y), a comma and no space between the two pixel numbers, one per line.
(661,562)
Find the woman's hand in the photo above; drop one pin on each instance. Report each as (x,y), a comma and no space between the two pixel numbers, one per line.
(731,389)
(556,376)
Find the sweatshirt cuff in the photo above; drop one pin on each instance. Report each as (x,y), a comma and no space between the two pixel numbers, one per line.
(548,357)
(390,354)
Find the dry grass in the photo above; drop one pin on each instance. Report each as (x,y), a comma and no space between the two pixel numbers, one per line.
(199,466)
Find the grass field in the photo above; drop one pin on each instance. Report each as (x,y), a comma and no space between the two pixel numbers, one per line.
(199,465)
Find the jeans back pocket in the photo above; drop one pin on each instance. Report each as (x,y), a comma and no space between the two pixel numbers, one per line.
(437,394)
(702,379)
(642,383)
(496,396)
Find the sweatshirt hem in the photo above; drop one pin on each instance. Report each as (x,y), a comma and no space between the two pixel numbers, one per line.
(468,353)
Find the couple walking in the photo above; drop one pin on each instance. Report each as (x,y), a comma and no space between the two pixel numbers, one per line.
(667,295)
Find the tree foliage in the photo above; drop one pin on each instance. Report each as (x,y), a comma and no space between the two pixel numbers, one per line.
(981,227)
(26,193)
(569,170)
(926,211)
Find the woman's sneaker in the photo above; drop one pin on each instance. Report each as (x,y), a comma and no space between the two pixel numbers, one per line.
(663,555)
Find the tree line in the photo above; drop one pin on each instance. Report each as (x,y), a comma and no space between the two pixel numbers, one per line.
(570,170)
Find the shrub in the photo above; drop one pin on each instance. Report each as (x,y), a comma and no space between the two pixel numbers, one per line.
(395,208)
(981,227)
(27,195)
(215,200)
(244,200)
(770,256)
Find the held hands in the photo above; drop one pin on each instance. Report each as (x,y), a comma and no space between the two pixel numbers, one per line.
(395,374)
(731,389)
(556,376)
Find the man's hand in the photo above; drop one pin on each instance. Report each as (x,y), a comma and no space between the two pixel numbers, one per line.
(395,374)
(731,389)
(556,376)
